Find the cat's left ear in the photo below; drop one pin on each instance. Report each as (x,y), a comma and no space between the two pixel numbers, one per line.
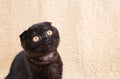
(23,35)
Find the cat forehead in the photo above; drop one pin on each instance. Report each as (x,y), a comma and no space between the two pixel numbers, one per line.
(40,27)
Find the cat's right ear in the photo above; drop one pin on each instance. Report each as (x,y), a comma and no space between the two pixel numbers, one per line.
(23,35)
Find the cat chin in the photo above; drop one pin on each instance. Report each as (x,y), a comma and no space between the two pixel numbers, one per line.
(37,53)
(34,54)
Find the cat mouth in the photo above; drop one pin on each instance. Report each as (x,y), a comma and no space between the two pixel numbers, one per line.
(39,50)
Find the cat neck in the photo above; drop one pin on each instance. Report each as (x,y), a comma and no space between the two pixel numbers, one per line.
(41,61)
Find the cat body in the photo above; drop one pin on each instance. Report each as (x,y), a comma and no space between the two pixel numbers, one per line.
(40,58)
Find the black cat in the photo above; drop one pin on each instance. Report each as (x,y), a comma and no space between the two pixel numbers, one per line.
(40,59)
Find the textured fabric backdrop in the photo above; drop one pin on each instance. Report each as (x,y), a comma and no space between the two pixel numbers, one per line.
(89,30)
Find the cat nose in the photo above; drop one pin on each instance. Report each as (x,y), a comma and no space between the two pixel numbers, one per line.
(46,39)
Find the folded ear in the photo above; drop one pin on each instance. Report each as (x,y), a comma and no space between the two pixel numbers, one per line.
(47,23)
(23,35)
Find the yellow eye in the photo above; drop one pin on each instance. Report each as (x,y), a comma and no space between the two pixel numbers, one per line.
(36,39)
(49,32)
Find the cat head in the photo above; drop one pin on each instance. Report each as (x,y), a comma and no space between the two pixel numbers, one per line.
(40,38)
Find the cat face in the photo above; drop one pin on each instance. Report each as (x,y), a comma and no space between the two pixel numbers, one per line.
(42,38)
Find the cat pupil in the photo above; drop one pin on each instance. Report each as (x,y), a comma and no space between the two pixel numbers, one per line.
(49,32)
(35,38)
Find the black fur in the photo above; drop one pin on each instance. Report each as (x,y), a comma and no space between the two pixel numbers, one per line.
(39,60)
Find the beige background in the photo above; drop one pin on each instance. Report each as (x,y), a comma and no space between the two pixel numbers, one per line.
(89,30)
